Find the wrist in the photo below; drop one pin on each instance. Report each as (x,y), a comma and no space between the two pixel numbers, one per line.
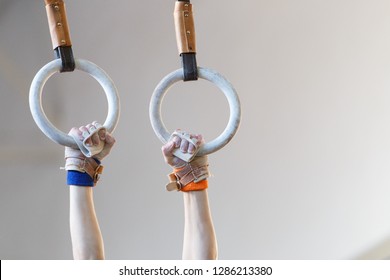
(198,186)
(191,177)
(81,170)
(77,178)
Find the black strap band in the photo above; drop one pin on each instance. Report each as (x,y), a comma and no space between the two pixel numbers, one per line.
(65,53)
(190,68)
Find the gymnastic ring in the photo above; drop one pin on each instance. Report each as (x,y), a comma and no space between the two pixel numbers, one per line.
(222,83)
(35,99)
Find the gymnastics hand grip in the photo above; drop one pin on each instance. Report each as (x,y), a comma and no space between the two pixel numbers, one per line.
(187,157)
(89,151)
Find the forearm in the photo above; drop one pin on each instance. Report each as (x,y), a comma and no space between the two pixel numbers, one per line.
(87,241)
(199,235)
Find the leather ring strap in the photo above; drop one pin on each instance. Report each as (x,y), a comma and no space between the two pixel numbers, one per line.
(58,23)
(185,38)
(60,35)
(184,27)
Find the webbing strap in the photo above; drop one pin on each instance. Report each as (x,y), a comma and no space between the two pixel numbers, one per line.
(67,59)
(59,32)
(185,38)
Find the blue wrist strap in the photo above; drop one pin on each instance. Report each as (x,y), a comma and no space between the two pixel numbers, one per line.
(76,178)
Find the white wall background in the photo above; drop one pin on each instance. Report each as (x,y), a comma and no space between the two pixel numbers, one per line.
(306,177)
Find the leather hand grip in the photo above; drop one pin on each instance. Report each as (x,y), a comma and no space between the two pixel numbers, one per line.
(58,23)
(185,27)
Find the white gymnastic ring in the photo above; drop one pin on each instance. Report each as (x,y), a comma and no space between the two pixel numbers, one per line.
(222,83)
(35,99)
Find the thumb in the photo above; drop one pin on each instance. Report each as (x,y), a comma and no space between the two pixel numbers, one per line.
(168,148)
(110,141)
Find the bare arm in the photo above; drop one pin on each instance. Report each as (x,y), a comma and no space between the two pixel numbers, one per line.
(199,241)
(87,240)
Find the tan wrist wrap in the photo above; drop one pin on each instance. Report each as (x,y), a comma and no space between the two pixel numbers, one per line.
(58,23)
(192,173)
(184,27)
(76,161)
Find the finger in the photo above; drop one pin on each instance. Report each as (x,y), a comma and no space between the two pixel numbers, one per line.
(199,139)
(194,137)
(96,124)
(93,136)
(92,131)
(191,148)
(184,145)
(76,132)
(84,131)
(110,140)
(194,144)
(85,134)
(95,139)
(177,140)
(102,134)
(91,128)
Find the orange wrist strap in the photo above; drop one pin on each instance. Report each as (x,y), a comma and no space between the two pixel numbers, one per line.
(202,185)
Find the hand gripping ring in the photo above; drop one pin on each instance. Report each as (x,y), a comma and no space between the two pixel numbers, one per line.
(217,79)
(39,115)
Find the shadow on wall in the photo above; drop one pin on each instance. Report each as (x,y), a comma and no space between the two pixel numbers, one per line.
(379,252)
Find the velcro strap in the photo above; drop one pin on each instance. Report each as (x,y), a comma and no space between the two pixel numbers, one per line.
(194,171)
(77,162)
(202,185)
